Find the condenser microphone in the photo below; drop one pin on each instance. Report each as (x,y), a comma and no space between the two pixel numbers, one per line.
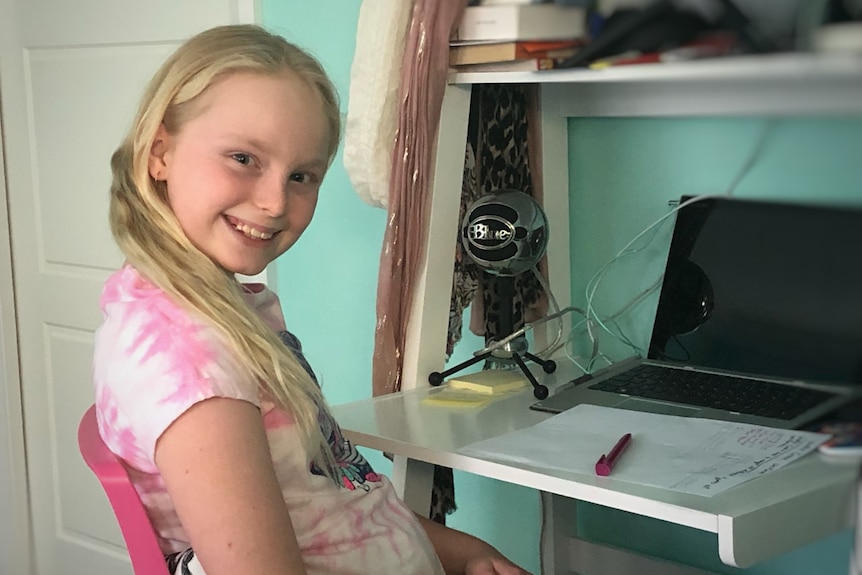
(505,232)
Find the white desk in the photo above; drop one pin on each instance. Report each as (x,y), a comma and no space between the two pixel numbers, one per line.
(753,522)
(789,508)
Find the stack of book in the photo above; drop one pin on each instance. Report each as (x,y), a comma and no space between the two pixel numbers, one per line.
(516,35)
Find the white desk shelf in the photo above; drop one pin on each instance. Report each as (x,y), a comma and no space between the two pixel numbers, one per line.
(778,84)
(794,506)
(807,500)
(788,84)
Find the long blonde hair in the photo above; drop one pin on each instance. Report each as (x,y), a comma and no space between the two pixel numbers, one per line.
(153,242)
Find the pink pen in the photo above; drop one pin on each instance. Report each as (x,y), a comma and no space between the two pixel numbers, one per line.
(606,463)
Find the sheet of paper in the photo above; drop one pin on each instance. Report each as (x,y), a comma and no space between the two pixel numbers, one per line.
(691,455)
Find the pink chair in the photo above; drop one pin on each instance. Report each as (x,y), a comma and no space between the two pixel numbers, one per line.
(147,557)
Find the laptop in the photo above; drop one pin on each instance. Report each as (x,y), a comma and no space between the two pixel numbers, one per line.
(759,319)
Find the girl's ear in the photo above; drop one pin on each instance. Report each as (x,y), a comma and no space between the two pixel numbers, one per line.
(157,162)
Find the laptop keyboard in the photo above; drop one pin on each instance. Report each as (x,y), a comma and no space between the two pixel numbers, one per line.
(751,397)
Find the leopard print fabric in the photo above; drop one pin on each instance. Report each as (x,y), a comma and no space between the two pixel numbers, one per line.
(495,157)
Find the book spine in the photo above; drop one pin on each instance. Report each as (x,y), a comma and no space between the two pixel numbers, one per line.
(520,22)
(528,65)
(499,2)
(522,53)
(488,23)
(487,54)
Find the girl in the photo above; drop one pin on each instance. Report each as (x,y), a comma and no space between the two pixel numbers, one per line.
(199,387)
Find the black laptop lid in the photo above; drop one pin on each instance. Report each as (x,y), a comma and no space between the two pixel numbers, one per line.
(764,288)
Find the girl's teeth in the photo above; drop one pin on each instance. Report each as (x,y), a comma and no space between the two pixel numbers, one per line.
(251,232)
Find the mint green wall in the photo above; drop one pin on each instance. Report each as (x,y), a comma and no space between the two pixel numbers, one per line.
(623,171)
(327,284)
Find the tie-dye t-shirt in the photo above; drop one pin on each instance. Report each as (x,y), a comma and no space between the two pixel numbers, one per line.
(153,361)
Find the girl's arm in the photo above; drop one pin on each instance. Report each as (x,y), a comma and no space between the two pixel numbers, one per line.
(217,467)
(463,554)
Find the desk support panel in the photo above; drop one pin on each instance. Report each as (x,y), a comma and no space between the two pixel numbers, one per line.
(749,539)
(588,558)
(425,345)
(413,481)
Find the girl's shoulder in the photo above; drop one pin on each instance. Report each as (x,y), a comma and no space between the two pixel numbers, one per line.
(143,327)
(152,361)
(126,291)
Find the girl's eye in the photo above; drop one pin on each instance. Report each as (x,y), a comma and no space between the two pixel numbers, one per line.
(302,177)
(244,159)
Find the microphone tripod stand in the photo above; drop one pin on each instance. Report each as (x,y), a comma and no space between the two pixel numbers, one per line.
(512,348)
(539,391)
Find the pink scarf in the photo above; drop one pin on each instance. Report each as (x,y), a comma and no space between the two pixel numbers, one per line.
(423,81)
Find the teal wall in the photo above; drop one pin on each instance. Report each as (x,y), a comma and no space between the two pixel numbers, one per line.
(623,171)
(328,281)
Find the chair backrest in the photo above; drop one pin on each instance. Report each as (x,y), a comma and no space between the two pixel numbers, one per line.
(141,542)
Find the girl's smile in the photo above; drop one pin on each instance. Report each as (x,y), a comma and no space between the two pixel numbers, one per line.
(250,230)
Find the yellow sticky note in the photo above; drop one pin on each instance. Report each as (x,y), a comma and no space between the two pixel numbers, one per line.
(490,381)
(447,397)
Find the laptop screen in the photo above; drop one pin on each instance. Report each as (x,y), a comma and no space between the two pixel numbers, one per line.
(764,288)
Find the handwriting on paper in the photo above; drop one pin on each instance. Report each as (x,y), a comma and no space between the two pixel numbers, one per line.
(691,455)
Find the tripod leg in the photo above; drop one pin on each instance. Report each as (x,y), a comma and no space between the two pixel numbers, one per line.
(549,365)
(437,377)
(539,390)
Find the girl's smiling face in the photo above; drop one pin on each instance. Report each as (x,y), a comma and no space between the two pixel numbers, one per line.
(243,174)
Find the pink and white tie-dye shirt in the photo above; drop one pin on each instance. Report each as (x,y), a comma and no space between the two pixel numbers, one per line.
(153,361)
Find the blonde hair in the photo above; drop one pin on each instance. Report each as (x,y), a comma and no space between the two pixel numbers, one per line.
(153,242)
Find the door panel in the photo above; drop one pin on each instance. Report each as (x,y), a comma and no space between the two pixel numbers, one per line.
(64,182)
(69,353)
(72,74)
(121,22)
